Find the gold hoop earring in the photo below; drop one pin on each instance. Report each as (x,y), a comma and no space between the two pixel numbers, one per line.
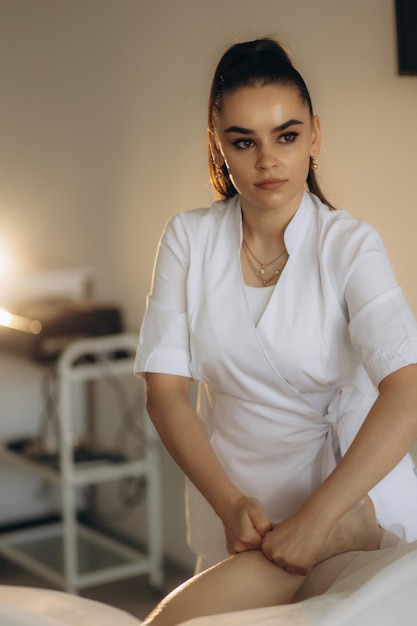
(314,165)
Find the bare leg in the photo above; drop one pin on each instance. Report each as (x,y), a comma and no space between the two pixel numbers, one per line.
(245,581)
(249,580)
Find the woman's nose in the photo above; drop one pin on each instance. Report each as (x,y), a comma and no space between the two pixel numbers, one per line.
(266,159)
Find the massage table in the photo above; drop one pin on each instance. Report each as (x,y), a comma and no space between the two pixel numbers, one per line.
(369,588)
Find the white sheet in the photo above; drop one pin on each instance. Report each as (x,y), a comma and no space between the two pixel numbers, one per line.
(24,606)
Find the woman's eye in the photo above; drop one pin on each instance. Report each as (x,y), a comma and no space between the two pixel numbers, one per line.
(243,144)
(288,137)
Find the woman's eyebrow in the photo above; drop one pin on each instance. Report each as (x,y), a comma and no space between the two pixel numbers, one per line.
(248,131)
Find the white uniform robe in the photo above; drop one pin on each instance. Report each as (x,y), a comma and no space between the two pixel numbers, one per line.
(283,400)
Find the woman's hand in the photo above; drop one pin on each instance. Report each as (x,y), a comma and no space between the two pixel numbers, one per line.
(296,544)
(245,525)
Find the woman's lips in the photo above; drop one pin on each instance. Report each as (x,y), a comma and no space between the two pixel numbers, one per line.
(271,184)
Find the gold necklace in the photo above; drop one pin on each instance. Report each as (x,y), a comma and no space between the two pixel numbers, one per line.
(261,271)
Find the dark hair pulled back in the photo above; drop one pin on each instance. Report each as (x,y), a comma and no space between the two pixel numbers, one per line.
(260,62)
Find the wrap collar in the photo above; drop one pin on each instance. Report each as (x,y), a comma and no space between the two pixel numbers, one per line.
(297,227)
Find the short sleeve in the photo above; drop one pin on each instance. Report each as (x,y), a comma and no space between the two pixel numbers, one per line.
(164,335)
(382,327)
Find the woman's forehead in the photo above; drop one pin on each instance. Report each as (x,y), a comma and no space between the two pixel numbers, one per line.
(257,104)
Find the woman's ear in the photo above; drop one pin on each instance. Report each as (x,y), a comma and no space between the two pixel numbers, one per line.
(216,155)
(315,135)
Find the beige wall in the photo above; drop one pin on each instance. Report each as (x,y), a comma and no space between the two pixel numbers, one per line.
(102,129)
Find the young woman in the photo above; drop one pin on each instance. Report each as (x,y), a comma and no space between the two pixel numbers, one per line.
(290,317)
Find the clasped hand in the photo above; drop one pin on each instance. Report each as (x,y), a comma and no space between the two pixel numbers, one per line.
(295,544)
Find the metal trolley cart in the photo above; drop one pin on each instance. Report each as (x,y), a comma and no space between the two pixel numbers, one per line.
(70,554)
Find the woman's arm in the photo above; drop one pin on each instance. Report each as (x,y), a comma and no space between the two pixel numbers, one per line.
(174,417)
(387,434)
